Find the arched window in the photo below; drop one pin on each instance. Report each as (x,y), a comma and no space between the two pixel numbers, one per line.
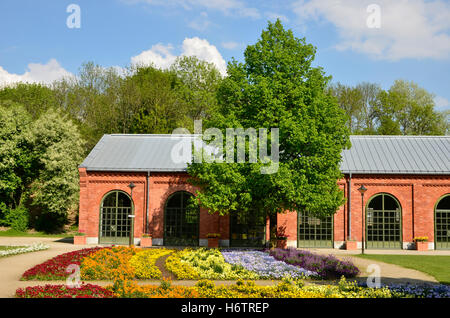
(383,222)
(181,221)
(442,223)
(115,225)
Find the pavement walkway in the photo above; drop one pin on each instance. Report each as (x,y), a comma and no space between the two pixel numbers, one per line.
(12,267)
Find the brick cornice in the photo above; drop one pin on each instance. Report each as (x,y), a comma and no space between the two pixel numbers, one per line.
(114,181)
(382,184)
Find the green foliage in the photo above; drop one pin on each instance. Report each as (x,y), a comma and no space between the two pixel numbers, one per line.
(58,146)
(404,109)
(38,166)
(277,87)
(36,98)
(17,218)
(16,156)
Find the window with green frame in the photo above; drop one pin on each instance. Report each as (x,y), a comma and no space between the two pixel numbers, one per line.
(314,231)
(181,221)
(383,222)
(442,223)
(115,225)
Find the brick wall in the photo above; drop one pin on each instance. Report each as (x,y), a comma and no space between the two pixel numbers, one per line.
(417,196)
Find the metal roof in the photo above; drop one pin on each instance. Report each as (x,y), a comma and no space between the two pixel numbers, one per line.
(397,155)
(368,154)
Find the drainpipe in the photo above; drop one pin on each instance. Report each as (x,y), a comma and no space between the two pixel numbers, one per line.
(349,219)
(147,207)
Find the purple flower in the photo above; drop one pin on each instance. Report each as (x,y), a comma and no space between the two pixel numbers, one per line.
(327,266)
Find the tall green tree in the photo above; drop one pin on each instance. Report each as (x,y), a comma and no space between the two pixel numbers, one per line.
(38,167)
(277,87)
(36,98)
(58,150)
(158,107)
(408,109)
(200,82)
(16,157)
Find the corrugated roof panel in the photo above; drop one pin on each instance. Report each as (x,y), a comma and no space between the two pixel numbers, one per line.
(368,154)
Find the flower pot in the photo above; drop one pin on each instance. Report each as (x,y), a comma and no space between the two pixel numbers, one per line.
(422,246)
(213,242)
(146,241)
(281,243)
(79,240)
(351,245)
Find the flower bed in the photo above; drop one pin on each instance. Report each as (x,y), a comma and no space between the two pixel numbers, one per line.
(14,250)
(265,265)
(248,289)
(107,262)
(62,291)
(144,263)
(417,291)
(55,268)
(203,263)
(328,267)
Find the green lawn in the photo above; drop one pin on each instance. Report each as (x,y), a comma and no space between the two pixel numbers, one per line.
(5,248)
(435,265)
(14,233)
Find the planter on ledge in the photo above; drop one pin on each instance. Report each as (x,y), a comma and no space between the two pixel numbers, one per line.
(422,246)
(146,241)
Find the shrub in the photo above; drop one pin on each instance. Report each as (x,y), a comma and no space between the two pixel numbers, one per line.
(17,218)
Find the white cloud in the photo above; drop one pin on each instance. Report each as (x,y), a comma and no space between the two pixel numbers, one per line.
(442,103)
(36,73)
(228,7)
(161,56)
(409,28)
(273,16)
(230,45)
(200,24)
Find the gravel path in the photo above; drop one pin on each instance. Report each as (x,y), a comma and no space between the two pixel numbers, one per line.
(389,273)
(12,267)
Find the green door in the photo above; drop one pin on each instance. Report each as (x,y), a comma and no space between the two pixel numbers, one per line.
(383,223)
(115,225)
(313,231)
(442,223)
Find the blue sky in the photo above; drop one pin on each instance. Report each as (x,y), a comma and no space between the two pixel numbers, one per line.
(356,42)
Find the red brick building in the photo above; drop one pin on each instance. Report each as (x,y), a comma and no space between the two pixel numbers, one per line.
(407,180)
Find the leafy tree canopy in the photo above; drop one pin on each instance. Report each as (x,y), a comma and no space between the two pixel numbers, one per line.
(277,87)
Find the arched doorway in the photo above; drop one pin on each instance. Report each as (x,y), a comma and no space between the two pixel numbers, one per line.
(442,223)
(115,225)
(313,231)
(181,222)
(383,222)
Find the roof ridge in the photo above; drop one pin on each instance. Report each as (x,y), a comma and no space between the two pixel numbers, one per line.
(400,136)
